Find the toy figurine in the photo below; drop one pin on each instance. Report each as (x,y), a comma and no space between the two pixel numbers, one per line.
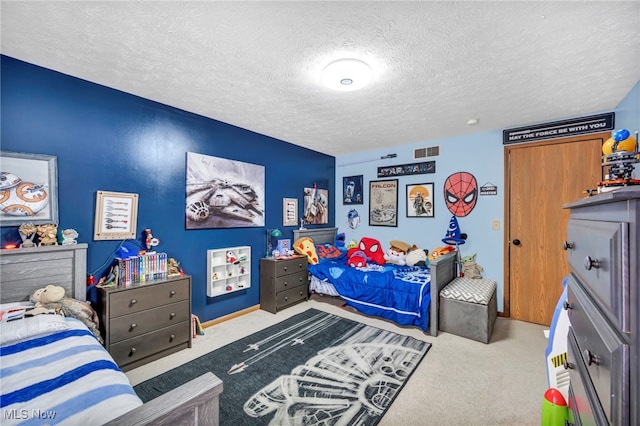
(47,234)
(27,232)
(150,241)
(69,236)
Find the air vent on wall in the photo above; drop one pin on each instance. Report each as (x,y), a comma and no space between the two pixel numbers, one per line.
(432,151)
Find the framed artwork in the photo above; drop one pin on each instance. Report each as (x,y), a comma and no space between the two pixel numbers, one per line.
(316,206)
(289,211)
(29,189)
(383,202)
(116,216)
(223,193)
(420,200)
(352,189)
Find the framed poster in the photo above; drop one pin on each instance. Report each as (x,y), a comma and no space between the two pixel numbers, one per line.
(289,212)
(29,189)
(223,193)
(420,200)
(352,190)
(316,206)
(116,216)
(383,202)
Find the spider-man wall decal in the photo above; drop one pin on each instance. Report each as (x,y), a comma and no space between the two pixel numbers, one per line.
(461,193)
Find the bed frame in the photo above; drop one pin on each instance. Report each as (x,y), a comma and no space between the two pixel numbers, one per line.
(24,270)
(443,269)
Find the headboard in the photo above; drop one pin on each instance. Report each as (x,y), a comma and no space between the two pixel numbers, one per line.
(24,270)
(318,235)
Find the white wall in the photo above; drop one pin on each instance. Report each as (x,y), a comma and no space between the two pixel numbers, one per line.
(481,155)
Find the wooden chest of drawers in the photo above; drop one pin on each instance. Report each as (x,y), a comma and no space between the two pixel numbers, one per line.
(283,283)
(145,322)
(603,307)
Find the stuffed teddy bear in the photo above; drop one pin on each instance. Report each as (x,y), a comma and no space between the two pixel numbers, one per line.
(470,269)
(52,297)
(417,257)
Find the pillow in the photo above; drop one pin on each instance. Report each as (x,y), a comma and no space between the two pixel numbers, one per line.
(25,328)
(305,247)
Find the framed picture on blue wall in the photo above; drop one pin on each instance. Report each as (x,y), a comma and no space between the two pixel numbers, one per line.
(28,189)
(352,189)
(223,193)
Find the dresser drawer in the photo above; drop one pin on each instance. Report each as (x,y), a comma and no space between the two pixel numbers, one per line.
(599,256)
(145,297)
(583,402)
(134,349)
(128,326)
(291,266)
(287,282)
(293,295)
(604,355)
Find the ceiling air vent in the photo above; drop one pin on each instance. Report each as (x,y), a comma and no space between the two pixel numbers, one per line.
(432,151)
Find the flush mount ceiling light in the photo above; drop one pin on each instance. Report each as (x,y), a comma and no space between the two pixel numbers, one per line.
(347,75)
(473,121)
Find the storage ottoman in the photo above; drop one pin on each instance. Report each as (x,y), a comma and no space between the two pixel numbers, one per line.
(468,308)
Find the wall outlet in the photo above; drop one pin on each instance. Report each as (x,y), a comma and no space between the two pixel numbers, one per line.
(495,225)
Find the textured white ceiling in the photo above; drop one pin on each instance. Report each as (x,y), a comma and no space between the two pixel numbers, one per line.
(257,65)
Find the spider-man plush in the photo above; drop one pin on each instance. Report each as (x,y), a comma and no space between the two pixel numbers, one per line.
(372,250)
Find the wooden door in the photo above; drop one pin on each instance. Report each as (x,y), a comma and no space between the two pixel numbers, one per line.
(541,178)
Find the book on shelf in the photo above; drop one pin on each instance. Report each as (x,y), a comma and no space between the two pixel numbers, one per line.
(147,267)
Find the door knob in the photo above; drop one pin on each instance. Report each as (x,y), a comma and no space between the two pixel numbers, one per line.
(516,242)
(567,245)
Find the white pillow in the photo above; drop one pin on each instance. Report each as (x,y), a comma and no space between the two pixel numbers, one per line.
(28,327)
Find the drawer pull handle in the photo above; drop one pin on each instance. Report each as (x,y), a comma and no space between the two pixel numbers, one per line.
(285,268)
(591,263)
(132,351)
(172,293)
(590,357)
(286,298)
(284,283)
(173,336)
(133,302)
(567,245)
(566,305)
(567,365)
(132,326)
(172,314)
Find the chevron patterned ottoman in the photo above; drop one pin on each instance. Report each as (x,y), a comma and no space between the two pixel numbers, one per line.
(468,308)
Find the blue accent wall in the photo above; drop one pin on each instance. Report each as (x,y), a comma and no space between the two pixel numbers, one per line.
(108,140)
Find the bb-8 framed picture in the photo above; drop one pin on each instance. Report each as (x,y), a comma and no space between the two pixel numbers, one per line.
(28,189)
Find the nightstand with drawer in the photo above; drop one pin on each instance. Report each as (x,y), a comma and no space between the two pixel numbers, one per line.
(283,283)
(148,321)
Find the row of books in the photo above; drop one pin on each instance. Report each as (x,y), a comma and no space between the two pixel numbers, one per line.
(147,267)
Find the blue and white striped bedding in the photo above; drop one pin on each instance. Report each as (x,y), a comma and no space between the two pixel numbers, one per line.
(61,376)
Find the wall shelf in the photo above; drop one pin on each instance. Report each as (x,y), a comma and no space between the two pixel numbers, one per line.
(224,276)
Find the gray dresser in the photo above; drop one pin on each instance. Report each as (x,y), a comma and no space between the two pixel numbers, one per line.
(603,308)
(148,321)
(283,283)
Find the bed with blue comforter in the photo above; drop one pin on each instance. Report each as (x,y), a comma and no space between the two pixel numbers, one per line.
(397,293)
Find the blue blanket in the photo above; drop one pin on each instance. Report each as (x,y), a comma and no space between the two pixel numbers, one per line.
(397,293)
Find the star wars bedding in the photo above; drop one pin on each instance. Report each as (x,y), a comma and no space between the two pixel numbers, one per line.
(397,293)
(53,370)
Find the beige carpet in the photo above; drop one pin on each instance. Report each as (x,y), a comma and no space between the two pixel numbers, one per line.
(459,382)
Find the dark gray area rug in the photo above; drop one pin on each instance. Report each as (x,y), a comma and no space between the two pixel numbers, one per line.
(314,368)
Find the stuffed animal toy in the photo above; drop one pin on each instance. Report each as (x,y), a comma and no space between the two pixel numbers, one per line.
(397,252)
(231,257)
(417,257)
(52,297)
(372,250)
(357,259)
(439,251)
(470,269)
(305,247)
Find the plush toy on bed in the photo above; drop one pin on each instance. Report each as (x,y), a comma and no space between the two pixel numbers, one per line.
(397,252)
(305,247)
(439,251)
(52,297)
(417,257)
(470,269)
